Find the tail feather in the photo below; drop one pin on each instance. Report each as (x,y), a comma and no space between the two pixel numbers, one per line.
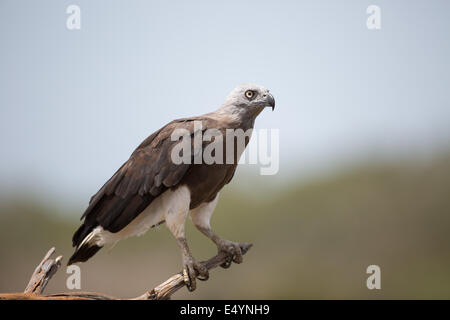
(83,253)
(85,245)
(80,234)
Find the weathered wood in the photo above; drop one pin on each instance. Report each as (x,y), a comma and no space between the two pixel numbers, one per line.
(48,267)
(43,272)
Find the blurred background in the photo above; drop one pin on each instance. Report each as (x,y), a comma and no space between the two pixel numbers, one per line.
(364,120)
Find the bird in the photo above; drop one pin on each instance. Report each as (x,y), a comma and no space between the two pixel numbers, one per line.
(150,188)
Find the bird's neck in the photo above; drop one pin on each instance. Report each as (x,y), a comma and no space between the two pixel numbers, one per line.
(239,117)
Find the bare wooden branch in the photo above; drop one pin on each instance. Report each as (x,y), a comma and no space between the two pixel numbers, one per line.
(166,289)
(43,272)
(48,267)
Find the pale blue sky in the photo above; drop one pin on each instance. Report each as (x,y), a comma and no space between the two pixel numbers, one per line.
(74,104)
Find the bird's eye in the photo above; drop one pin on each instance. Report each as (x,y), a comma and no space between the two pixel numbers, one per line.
(249,94)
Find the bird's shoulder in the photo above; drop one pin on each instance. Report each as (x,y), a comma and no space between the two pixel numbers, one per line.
(150,162)
(189,124)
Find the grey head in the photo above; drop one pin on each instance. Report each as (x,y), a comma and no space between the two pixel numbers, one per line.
(247,101)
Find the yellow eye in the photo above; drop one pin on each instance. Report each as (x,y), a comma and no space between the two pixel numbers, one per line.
(249,94)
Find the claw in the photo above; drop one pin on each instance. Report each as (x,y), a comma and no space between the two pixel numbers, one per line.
(189,277)
(234,251)
(202,271)
(227,263)
(237,258)
(192,270)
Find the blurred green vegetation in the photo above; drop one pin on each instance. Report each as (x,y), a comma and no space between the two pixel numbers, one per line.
(311,239)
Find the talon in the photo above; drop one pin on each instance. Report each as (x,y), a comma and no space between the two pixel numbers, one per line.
(227,263)
(233,249)
(189,276)
(187,280)
(237,258)
(203,273)
(203,278)
(193,270)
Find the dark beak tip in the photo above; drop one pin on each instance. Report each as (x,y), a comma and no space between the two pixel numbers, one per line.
(271,102)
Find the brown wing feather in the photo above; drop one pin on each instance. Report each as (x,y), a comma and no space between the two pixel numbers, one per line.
(144,176)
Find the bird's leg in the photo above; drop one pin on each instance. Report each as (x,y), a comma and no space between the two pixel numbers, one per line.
(175,218)
(201,218)
(232,249)
(191,268)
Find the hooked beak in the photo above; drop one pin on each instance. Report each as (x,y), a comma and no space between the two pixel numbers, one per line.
(270,101)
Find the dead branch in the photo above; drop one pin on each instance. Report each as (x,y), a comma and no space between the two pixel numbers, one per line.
(44,271)
(48,267)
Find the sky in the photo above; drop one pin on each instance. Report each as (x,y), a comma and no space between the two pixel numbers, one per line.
(75,103)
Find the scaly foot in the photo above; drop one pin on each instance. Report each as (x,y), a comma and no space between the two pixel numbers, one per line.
(191,270)
(232,249)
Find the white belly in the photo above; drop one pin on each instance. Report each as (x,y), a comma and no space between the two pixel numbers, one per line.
(154,214)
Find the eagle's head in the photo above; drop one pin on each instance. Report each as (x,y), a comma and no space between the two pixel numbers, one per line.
(248,99)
